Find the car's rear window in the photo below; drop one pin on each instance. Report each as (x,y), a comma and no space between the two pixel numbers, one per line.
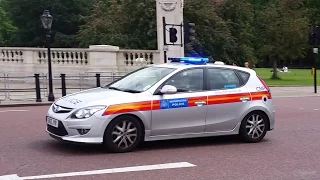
(244,75)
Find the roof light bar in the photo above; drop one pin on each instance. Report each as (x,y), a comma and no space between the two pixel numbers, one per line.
(190,60)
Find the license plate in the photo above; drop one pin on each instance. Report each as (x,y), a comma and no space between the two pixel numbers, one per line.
(52,122)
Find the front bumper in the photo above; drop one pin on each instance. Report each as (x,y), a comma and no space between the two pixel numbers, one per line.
(71,130)
(72,135)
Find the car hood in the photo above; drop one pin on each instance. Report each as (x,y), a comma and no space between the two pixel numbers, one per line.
(96,96)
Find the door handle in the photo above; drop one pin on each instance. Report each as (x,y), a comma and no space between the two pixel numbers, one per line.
(200,103)
(244,99)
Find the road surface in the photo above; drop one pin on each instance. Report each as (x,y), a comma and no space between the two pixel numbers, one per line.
(290,152)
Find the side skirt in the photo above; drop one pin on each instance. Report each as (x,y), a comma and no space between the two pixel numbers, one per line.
(191,135)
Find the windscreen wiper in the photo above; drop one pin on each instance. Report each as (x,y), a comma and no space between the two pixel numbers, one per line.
(131,91)
(126,90)
(114,88)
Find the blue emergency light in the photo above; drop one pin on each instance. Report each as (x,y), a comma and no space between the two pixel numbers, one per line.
(189,60)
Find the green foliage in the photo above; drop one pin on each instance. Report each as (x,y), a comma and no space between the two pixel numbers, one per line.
(226,30)
(214,38)
(239,14)
(283,28)
(314,6)
(6,27)
(67,17)
(127,23)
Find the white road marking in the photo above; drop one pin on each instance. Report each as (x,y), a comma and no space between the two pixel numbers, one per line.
(103,171)
(17,110)
(316,109)
(301,108)
(10,177)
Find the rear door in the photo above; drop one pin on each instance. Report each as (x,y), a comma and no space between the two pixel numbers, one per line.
(228,98)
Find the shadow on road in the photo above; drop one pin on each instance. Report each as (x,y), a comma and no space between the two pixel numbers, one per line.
(187,143)
(63,148)
(55,147)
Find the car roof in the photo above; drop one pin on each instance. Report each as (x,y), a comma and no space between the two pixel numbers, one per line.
(180,66)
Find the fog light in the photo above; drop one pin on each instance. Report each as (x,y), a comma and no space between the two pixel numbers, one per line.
(83,131)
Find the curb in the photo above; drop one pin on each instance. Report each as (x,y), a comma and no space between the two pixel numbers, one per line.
(24,104)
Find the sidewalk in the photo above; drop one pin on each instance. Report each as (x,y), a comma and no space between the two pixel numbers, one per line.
(302,91)
(277,92)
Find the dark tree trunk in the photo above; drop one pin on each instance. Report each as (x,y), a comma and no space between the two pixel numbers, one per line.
(274,66)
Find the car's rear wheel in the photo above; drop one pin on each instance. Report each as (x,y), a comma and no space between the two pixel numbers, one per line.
(123,134)
(254,127)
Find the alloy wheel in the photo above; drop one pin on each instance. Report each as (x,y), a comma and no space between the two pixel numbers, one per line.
(124,134)
(255,126)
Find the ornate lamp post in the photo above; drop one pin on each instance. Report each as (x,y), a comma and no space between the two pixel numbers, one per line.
(46,19)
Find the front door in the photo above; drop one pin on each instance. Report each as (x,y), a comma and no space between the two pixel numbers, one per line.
(227,100)
(183,112)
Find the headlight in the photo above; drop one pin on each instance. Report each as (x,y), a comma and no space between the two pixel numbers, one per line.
(86,112)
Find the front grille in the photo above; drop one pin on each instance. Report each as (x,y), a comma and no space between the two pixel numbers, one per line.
(60,109)
(60,131)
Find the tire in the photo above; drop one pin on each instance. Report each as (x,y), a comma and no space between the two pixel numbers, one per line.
(118,139)
(253,127)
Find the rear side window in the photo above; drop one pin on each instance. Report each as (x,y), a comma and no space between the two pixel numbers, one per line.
(244,75)
(223,79)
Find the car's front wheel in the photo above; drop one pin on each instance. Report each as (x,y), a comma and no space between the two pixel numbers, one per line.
(123,134)
(253,127)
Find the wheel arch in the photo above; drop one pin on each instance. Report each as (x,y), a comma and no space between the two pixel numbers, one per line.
(131,115)
(263,113)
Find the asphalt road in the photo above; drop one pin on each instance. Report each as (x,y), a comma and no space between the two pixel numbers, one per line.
(290,152)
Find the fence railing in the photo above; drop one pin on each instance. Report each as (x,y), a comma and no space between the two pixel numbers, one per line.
(90,84)
(18,87)
(35,88)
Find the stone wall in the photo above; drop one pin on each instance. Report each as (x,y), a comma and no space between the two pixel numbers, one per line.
(96,58)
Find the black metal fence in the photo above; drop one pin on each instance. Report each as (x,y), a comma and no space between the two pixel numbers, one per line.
(35,88)
(12,88)
(97,77)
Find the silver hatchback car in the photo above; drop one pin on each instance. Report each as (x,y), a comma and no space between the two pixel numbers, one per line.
(184,98)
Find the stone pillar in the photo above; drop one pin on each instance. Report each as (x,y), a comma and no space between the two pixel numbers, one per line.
(172,10)
(103,57)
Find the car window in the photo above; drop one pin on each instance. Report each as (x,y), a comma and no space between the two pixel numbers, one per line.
(244,75)
(222,79)
(188,80)
(142,79)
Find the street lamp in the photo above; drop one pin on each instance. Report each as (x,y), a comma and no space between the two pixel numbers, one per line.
(46,19)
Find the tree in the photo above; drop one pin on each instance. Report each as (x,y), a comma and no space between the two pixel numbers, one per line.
(124,23)
(6,27)
(116,23)
(314,6)
(239,15)
(283,28)
(67,17)
(213,35)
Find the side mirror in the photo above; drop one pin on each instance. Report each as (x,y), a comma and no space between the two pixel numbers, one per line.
(168,89)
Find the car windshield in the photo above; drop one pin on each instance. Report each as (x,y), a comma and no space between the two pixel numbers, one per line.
(140,80)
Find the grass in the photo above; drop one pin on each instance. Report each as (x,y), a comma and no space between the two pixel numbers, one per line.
(296,77)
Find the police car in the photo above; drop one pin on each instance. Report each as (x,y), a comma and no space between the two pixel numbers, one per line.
(185,98)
